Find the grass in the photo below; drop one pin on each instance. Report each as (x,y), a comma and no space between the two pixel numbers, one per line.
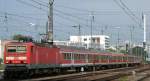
(125,78)
(1,66)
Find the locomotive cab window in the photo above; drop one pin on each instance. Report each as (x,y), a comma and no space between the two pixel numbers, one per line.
(11,49)
(21,49)
(18,49)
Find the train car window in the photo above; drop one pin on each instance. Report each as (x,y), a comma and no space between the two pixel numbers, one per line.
(102,57)
(69,56)
(78,56)
(110,57)
(99,57)
(96,57)
(82,57)
(75,56)
(64,55)
(114,57)
(123,58)
(88,57)
(119,58)
(106,57)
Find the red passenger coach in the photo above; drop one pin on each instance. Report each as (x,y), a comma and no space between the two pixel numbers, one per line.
(32,58)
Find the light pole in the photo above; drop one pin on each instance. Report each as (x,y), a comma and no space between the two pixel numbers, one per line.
(144,41)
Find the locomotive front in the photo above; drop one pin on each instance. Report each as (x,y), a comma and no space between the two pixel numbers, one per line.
(16,54)
(16,57)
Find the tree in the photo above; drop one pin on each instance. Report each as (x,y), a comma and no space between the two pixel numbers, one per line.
(123,51)
(110,50)
(23,38)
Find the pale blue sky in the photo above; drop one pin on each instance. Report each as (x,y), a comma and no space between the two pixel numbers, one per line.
(73,12)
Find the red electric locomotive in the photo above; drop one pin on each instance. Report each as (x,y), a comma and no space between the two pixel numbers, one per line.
(32,58)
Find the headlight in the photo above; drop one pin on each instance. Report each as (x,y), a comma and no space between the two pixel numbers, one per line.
(10,58)
(22,58)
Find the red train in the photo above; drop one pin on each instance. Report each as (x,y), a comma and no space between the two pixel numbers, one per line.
(31,58)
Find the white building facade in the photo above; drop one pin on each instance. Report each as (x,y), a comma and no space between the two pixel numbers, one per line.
(65,43)
(98,41)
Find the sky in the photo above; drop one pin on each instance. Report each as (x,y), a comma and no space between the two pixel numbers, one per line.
(29,18)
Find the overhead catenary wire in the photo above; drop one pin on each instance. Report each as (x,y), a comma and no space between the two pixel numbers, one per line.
(29,4)
(58,10)
(125,9)
(21,16)
(63,17)
(57,14)
(60,15)
(25,29)
(32,4)
(35,1)
(66,14)
(129,10)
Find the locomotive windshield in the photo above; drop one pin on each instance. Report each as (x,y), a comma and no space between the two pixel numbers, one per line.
(18,49)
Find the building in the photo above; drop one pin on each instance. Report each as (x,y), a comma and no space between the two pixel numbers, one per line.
(98,41)
(65,43)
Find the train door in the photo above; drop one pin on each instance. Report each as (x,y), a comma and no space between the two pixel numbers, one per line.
(36,56)
(72,58)
(31,54)
(86,58)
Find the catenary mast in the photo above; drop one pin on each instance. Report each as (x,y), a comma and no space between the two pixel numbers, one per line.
(49,29)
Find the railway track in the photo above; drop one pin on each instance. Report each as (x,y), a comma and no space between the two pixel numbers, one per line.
(104,75)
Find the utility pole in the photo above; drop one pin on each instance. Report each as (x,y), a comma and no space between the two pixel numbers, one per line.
(49,32)
(92,20)
(118,42)
(6,23)
(118,38)
(6,19)
(80,35)
(131,38)
(79,32)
